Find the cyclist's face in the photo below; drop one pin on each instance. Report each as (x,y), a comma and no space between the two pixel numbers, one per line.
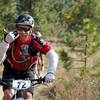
(23,31)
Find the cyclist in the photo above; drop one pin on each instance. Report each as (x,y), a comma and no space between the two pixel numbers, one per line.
(19,53)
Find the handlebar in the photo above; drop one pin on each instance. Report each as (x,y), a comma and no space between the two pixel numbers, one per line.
(21,83)
(38,81)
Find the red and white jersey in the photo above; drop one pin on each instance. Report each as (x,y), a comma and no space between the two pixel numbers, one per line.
(23,54)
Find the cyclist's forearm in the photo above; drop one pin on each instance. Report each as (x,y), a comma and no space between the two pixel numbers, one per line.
(53,61)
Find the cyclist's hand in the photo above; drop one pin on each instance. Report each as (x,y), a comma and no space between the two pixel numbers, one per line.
(49,77)
(9,37)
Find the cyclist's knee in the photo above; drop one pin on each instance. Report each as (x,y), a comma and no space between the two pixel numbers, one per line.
(8,94)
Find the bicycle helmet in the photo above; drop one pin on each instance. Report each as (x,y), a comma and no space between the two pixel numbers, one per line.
(25,19)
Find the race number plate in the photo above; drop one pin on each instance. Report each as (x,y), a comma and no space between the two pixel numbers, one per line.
(21,84)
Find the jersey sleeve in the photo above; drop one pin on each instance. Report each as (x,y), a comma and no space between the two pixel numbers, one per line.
(41,45)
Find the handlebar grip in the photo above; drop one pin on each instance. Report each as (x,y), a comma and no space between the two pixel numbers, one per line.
(41,80)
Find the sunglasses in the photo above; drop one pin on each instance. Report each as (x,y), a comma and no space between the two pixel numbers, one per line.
(23,29)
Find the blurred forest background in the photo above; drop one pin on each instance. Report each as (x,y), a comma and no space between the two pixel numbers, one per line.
(73,28)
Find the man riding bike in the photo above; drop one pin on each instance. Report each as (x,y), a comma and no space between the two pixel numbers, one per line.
(19,53)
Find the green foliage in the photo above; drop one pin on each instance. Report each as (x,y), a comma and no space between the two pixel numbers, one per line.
(81,19)
(95,71)
(94,46)
(24,5)
(83,71)
(48,16)
(75,14)
(66,60)
(90,26)
(7,15)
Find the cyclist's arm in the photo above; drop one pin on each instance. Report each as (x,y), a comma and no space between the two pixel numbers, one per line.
(4,45)
(52,56)
(3,48)
(53,61)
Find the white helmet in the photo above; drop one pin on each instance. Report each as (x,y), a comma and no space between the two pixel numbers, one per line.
(25,19)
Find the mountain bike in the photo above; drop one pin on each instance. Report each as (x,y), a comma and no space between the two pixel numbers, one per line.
(21,85)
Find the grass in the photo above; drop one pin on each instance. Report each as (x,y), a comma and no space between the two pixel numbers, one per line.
(87,88)
(77,84)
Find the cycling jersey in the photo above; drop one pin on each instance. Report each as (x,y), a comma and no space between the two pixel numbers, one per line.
(23,54)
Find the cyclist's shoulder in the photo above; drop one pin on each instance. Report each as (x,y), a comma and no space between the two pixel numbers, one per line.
(37,36)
